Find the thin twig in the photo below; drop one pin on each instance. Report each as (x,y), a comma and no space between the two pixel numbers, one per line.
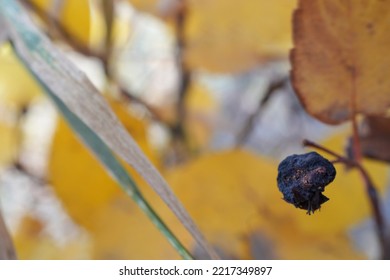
(184,72)
(250,121)
(20,167)
(154,114)
(370,189)
(340,158)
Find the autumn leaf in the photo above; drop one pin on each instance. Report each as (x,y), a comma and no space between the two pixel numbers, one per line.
(340,58)
(201,113)
(228,36)
(97,203)
(9,140)
(33,243)
(66,147)
(17,87)
(241,206)
(74,15)
(17,90)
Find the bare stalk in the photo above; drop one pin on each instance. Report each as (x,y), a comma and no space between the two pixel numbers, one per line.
(249,123)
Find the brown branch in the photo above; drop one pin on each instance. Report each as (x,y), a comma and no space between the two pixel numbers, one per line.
(154,114)
(7,249)
(371,191)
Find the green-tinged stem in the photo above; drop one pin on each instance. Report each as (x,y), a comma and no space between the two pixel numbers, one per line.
(148,210)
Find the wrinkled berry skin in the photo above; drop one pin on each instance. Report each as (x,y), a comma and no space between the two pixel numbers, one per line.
(302,179)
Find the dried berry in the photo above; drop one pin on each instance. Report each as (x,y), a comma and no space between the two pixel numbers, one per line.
(302,179)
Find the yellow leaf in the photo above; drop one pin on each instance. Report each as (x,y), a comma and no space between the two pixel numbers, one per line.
(201,112)
(75,16)
(233,196)
(119,229)
(17,87)
(71,165)
(232,36)
(32,243)
(340,57)
(9,140)
(217,191)
(122,231)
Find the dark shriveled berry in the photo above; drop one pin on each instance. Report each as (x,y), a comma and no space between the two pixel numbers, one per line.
(302,179)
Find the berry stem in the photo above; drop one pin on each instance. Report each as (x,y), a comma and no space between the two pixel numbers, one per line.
(371,190)
(356,148)
(340,158)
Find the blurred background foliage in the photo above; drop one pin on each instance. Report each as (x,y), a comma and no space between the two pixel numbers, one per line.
(203,87)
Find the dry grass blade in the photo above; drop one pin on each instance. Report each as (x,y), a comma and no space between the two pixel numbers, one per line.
(74,89)
(7,250)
